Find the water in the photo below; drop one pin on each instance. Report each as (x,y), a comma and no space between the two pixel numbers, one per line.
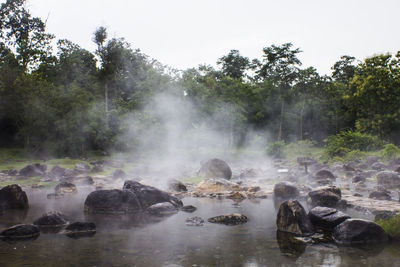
(136,241)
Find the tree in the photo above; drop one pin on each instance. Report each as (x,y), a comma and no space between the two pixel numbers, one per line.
(234,65)
(344,70)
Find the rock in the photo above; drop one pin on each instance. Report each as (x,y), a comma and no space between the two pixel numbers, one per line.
(324,197)
(215,168)
(56,172)
(303,161)
(326,218)
(248,173)
(12,172)
(358,231)
(81,227)
(148,195)
(97,168)
(194,221)
(380,195)
(388,179)
(289,245)
(188,208)
(384,215)
(349,167)
(393,164)
(70,173)
(285,190)
(82,168)
(52,218)
(65,188)
(55,196)
(33,170)
(119,174)
(212,185)
(83,180)
(397,169)
(362,166)
(358,178)
(177,186)
(229,219)
(324,175)
(292,218)
(12,197)
(112,201)
(371,160)
(237,196)
(378,166)
(21,231)
(162,209)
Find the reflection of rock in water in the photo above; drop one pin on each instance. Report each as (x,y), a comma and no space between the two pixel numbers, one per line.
(290,246)
(12,217)
(368,250)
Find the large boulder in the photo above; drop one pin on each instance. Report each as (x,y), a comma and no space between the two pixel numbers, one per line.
(325,197)
(12,197)
(82,168)
(292,218)
(33,170)
(112,201)
(285,190)
(212,185)
(229,219)
(326,218)
(56,172)
(378,166)
(380,194)
(21,231)
(358,231)
(215,168)
(162,209)
(148,195)
(177,186)
(388,179)
(52,218)
(324,175)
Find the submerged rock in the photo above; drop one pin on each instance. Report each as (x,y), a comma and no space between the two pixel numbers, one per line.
(81,227)
(112,201)
(194,221)
(162,209)
(188,208)
(21,231)
(325,197)
(65,188)
(358,231)
(52,218)
(148,195)
(215,168)
(229,219)
(285,190)
(292,218)
(326,218)
(12,197)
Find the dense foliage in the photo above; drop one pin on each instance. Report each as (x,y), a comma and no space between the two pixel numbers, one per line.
(72,100)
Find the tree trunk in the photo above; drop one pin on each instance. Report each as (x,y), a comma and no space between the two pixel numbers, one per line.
(301,118)
(106,102)
(281,120)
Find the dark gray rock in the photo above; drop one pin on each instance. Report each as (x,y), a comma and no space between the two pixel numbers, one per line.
(285,190)
(380,195)
(292,218)
(97,168)
(324,175)
(81,227)
(148,195)
(82,168)
(189,208)
(52,218)
(388,179)
(162,209)
(21,231)
(12,197)
(112,201)
(326,218)
(177,186)
(229,219)
(215,168)
(378,166)
(358,231)
(324,197)
(65,188)
(194,221)
(358,178)
(33,170)
(56,172)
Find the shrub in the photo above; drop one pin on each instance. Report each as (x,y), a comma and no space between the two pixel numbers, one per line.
(390,151)
(344,142)
(391,226)
(276,149)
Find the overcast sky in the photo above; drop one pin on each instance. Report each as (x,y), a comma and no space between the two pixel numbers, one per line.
(186,33)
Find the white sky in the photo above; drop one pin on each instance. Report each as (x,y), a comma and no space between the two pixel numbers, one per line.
(186,33)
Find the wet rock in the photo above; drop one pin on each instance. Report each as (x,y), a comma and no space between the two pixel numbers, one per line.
(189,208)
(388,179)
(229,219)
(20,231)
(292,218)
(33,170)
(378,166)
(162,209)
(12,197)
(148,195)
(324,175)
(215,168)
(112,201)
(380,195)
(177,186)
(194,221)
(56,172)
(289,245)
(358,178)
(12,172)
(237,196)
(82,168)
(358,231)
(52,218)
(216,185)
(65,188)
(119,174)
(324,197)
(81,227)
(285,190)
(397,169)
(326,218)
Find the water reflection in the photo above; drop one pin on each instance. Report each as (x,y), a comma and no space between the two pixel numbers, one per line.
(290,246)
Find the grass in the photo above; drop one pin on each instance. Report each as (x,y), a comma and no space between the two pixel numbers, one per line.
(193,180)
(391,226)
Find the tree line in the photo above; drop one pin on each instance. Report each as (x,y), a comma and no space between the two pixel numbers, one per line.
(68,100)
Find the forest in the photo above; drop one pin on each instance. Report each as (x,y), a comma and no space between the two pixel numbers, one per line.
(65,100)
